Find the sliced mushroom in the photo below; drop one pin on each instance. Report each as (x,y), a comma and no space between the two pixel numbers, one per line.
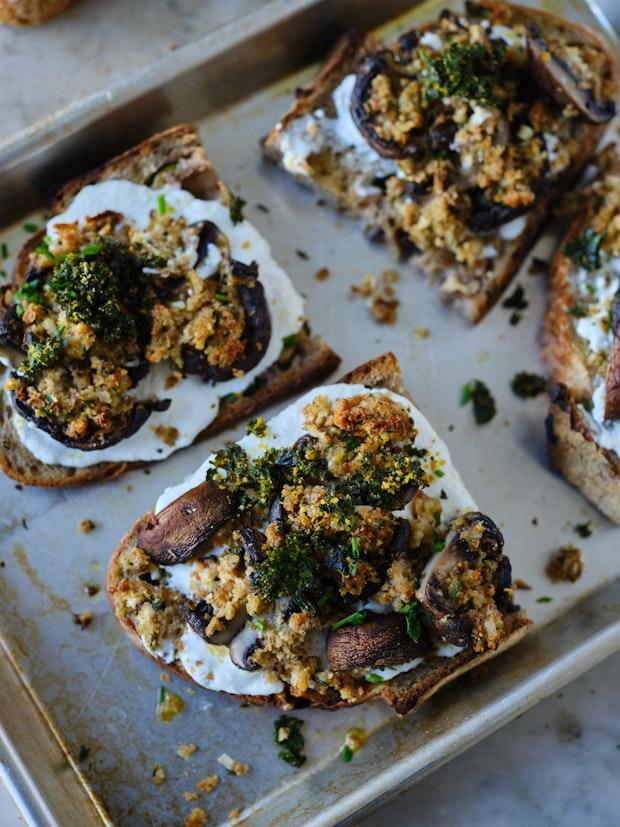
(554,76)
(178,532)
(209,234)
(382,63)
(400,540)
(382,641)
(612,391)
(252,541)
(198,617)
(475,536)
(257,331)
(10,336)
(93,442)
(243,646)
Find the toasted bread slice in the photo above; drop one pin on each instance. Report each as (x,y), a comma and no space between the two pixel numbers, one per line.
(175,156)
(383,217)
(31,12)
(405,692)
(580,343)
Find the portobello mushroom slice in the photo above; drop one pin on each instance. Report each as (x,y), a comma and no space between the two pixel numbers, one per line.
(612,391)
(243,646)
(177,533)
(10,337)
(382,641)
(383,63)
(94,442)
(475,543)
(257,330)
(555,76)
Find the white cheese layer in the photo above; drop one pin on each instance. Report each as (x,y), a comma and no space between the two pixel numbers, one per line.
(316,131)
(209,665)
(194,403)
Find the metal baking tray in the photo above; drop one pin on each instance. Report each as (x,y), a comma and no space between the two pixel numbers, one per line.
(78,731)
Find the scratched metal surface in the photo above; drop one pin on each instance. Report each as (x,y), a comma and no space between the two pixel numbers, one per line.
(102,692)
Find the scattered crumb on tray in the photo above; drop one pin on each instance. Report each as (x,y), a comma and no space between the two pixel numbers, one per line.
(422,332)
(566,565)
(521,584)
(159,774)
(322,274)
(190,795)
(235,813)
(86,526)
(583,529)
(232,765)
(186,750)
(83,619)
(165,677)
(90,590)
(197,818)
(380,295)
(208,784)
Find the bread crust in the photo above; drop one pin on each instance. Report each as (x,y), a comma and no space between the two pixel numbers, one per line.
(31,12)
(406,692)
(347,54)
(313,360)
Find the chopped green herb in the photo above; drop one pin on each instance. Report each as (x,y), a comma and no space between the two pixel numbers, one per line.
(439,472)
(455,588)
(83,753)
(302,254)
(228,397)
(545,599)
(262,208)
(223,298)
(346,754)
(514,319)
(516,300)
(373,678)
(412,620)
(31,228)
(324,598)
(438,545)
(5,250)
(161,694)
(90,249)
(527,385)
(43,249)
(236,208)
(30,291)
(443,495)
(162,204)
(260,624)
(577,311)
(2,274)
(354,555)
(19,311)
(287,735)
(590,288)
(355,619)
(470,71)
(584,529)
(289,341)
(585,250)
(257,426)
(482,400)
(42,353)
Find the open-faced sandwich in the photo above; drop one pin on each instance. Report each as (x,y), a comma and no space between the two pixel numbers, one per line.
(330,557)
(452,143)
(582,345)
(148,313)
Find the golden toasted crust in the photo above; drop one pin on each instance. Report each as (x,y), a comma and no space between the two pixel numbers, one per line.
(180,149)
(351,49)
(405,692)
(31,12)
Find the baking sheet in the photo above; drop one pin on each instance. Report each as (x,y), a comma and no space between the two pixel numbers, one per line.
(102,692)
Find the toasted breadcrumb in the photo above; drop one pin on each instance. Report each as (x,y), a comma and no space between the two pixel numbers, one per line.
(235,813)
(186,750)
(190,795)
(422,332)
(380,295)
(165,677)
(197,818)
(565,565)
(86,526)
(521,584)
(232,765)
(167,434)
(159,774)
(208,784)
(83,619)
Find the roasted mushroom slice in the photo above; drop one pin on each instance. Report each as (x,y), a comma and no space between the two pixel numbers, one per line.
(199,616)
(178,532)
(382,641)
(10,336)
(564,81)
(468,581)
(383,63)
(252,541)
(209,234)
(257,331)
(243,646)
(94,442)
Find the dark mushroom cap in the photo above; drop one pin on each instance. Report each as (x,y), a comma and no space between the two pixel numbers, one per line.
(382,63)
(476,536)
(379,642)
(135,420)
(209,234)
(252,542)
(243,646)
(10,337)
(257,331)
(178,532)
(555,77)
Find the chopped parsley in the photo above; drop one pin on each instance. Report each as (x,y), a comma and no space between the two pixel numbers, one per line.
(527,385)
(467,70)
(43,249)
(287,735)
(289,570)
(354,555)
(289,341)
(90,249)
(260,624)
(545,599)
(585,250)
(31,291)
(346,754)
(583,529)
(43,353)
(355,619)
(577,311)
(439,473)
(222,297)
(412,620)
(374,678)
(482,400)
(257,426)
(237,203)
(162,204)
(516,300)
(83,753)
(4,250)
(302,254)
(31,228)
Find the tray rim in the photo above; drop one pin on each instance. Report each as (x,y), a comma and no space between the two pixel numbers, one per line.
(17,766)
